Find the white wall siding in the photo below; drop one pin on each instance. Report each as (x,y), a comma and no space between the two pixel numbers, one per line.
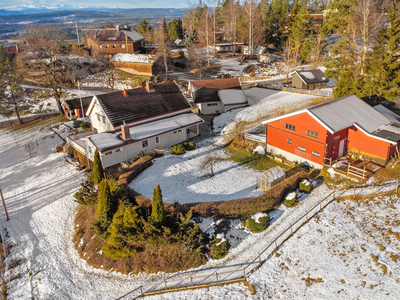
(132,150)
(233,106)
(210,110)
(96,123)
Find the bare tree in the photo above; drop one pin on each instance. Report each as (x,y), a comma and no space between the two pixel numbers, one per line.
(316,51)
(163,43)
(44,59)
(204,32)
(197,59)
(209,161)
(29,147)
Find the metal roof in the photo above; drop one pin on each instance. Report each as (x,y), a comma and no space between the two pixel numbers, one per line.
(133,35)
(388,113)
(343,112)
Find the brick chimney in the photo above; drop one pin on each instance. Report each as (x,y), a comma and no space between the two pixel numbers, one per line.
(125,93)
(125,132)
(149,86)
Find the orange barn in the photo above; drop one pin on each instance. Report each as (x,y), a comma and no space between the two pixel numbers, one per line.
(331,130)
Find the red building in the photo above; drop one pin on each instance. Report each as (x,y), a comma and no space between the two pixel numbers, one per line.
(332,129)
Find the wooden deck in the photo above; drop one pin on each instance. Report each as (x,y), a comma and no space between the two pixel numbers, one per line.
(358,168)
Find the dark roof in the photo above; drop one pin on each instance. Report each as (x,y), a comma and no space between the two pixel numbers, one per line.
(76,103)
(111,35)
(388,135)
(206,94)
(312,76)
(140,104)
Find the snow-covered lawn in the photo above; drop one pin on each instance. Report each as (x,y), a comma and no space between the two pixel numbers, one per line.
(263,103)
(181,178)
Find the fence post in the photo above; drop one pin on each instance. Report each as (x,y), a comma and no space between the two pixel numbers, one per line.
(216,275)
(141,290)
(165,283)
(191,280)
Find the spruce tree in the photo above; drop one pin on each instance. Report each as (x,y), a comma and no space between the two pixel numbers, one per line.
(157,206)
(98,172)
(143,27)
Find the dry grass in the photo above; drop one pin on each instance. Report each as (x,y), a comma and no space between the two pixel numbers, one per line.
(310,281)
(246,207)
(172,258)
(250,286)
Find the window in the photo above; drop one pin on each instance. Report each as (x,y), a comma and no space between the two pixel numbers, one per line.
(215,104)
(180,130)
(175,132)
(209,104)
(108,153)
(315,154)
(118,150)
(103,119)
(98,117)
(312,133)
(145,144)
(105,45)
(290,127)
(157,139)
(302,149)
(289,141)
(101,46)
(112,45)
(122,46)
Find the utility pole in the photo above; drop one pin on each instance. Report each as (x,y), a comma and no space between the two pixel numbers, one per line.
(4,204)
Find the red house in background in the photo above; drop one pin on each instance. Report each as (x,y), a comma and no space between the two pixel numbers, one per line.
(332,129)
(72,107)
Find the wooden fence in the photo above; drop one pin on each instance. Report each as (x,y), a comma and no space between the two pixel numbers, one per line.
(255,137)
(9,122)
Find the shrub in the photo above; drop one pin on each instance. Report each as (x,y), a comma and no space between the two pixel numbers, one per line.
(98,172)
(261,225)
(219,250)
(291,200)
(178,149)
(189,146)
(77,123)
(306,186)
(85,125)
(140,155)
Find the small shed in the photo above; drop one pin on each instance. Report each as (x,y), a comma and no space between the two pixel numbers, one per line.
(269,178)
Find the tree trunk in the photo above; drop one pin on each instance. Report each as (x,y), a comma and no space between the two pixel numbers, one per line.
(58,100)
(16,108)
(165,62)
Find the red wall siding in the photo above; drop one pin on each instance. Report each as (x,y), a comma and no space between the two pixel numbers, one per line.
(360,141)
(277,136)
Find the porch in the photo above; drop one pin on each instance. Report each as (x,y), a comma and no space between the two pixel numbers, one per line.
(355,167)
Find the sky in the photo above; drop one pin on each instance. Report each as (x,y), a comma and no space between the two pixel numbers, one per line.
(105,3)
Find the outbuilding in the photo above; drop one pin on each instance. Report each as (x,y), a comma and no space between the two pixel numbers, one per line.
(309,80)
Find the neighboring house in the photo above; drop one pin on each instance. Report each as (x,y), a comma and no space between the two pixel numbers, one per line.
(112,41)
(309,80)
(141,64)
(131,121)
(72,107)
(11,51)
(217,95)
(227,47)
(329,130)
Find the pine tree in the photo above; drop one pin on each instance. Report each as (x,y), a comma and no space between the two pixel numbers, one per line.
(104,203)
(98,172)
(157,206)
(143,27)
(299,28)
(175,30)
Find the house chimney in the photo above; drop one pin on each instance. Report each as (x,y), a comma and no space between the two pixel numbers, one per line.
(117,27)
(125,93)
(125,134)
(149,86)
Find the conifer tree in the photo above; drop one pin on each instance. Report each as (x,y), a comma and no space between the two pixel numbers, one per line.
(143,27)
(104,204)
(98,172)
(157,206)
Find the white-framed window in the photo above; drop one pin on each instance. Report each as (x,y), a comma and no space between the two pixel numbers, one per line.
(302,148)
(180,130)
(157,139)
(113,46)
(312,133)
(118,150)
(108,153)
(290,127)
(145,143)
(209,104)
(289,141)
(215,104)
(122,46)
(105,45)
(315,154)
(103,119)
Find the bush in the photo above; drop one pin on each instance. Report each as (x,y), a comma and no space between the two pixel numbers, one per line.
(140,155)
(178,149)
(219,250)
(85,125)
(77,123)
(189,146)
(291,200)
(259,226)
(305,186)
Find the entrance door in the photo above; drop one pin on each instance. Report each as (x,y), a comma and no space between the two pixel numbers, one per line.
(341,148)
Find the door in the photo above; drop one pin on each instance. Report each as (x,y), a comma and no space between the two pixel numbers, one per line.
(341,148)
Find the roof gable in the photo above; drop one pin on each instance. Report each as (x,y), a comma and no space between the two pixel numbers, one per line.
(76,102)
(138,104)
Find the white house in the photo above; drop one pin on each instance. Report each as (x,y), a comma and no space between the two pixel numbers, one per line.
(217,95)
(128,122)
